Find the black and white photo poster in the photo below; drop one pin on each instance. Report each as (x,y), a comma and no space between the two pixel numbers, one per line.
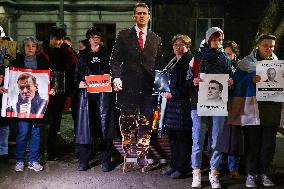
(213,95)
(271,85)
(162,81)
(27,95)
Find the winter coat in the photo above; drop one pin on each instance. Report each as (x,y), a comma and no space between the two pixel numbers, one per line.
(62,60)
(243,106)
(208,61)
(178,107)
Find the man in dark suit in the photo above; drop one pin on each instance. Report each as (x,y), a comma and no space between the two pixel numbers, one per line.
(135,56)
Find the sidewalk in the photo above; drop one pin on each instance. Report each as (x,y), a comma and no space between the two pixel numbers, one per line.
(64,175)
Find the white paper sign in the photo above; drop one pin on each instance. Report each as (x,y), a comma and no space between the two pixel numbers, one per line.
(271,86)
(213,95)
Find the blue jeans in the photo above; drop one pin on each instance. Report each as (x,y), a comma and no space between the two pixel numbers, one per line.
(233,162)
(198,136)
(4,134)
(27,132)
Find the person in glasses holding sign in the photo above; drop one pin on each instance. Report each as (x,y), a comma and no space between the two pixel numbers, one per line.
(95,116)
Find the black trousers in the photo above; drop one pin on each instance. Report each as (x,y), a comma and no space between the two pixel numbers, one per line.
(180,144)
(85,153)
(260,145)
(54,115)
(101,119)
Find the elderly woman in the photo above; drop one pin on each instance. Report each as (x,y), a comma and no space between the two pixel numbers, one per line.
(177,118)
(29,129)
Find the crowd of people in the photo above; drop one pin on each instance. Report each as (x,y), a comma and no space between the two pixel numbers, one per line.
(136,53)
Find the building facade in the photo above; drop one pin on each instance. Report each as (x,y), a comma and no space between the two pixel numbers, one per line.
(240,19)
(23,18)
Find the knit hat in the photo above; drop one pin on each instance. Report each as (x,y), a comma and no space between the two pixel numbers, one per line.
(212,30)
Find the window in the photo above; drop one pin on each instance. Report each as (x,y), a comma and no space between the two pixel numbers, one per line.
(42,30)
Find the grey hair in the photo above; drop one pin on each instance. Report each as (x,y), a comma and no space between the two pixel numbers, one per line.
(32,39)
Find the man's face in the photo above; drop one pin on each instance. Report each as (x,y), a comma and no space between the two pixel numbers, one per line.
(30,48)
(141,16)
(213,91)
(271,74)
(266,47)
(27,89)
(55,42)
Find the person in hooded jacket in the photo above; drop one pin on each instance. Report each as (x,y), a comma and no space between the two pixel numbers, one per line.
(210,60)
(260,124)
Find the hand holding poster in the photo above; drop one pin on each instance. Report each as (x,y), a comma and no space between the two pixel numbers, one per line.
(271,85)
(98,83)
(213,95)
(27,95)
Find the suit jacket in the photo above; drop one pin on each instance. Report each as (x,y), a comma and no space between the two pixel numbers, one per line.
(135,66)
(269,81)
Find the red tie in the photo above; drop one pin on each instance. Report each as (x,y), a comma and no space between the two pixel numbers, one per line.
(140,39)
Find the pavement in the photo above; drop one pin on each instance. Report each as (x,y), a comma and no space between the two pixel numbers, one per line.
(63,174)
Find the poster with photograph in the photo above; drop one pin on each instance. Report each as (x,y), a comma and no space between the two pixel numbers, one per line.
(27,95)
(213,95)
(162,81)
(271,85)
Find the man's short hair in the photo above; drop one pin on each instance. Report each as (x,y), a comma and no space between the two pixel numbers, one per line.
(26,76)
(141,5)
(218,83)
(93,31)
(57,32)
(265,36)
(271,69)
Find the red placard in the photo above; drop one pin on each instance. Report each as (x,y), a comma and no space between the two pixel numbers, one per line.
(98,83)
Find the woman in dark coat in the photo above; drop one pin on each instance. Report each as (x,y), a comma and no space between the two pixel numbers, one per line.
(178,120)
(95,116)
